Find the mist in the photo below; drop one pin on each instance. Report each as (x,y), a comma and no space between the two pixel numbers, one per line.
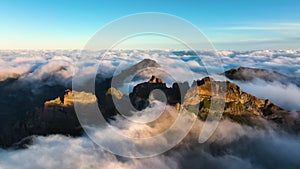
(231,146)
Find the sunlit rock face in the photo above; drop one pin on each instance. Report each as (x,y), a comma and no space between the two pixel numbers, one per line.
(59,116)
(239,106)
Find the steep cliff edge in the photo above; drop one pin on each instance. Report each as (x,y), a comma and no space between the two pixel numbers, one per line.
(239,106)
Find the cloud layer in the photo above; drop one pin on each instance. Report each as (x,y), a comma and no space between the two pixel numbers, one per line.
(231,146)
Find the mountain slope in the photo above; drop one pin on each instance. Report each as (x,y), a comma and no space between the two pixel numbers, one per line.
(239,106)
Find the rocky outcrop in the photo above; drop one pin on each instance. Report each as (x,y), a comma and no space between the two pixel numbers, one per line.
(113,99)
(58,115)
(239,106)
(171,95)
(155,80)
(18,101)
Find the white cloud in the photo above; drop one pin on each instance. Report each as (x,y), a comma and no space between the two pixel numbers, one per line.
(266,27)
(231,146)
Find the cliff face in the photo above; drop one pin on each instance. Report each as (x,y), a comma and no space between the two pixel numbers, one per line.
(239,106)
(140,94)
(59,116)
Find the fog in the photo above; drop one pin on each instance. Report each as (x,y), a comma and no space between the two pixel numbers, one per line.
(231,146)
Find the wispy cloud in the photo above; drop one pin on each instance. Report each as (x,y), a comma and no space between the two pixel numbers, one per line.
(263,27)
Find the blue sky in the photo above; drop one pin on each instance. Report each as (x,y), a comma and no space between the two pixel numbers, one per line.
(239,25)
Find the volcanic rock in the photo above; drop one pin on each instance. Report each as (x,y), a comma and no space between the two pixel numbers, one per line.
(141,92)
(238,105)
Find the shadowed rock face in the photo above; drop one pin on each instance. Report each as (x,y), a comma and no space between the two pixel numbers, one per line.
(245,74)
(249,74)
(146,63)
(141,92)
(59,117)
(17,102)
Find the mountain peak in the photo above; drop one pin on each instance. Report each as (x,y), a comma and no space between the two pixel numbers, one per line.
(145,63)
(239,106)
(155,79)
(246,74)
(133,70)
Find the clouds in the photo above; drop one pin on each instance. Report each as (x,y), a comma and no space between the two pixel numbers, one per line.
(56,151)
(57,67)
(231,146)
(286,62)
(268,27)
(22,62)
(63,152)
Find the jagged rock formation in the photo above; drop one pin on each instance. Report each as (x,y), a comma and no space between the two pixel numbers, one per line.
(58,115)
(239,106)
(155,80)
(140,94)
(136,72)
(112,97)
(114,92)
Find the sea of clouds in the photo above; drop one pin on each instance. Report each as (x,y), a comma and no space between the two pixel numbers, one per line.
(57,67)
(231,146)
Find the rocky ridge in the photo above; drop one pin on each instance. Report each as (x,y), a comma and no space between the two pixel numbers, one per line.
(238,105)
(58,115)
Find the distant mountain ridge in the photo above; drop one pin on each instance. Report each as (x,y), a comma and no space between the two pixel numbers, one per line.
(249,74)
(133,70)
